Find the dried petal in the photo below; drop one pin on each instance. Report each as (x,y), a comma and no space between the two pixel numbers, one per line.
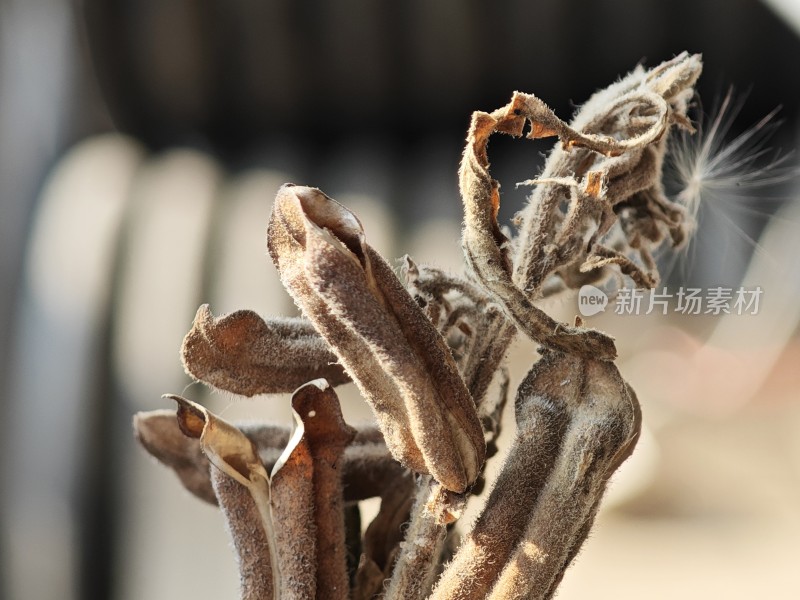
(396,357)
(243,354)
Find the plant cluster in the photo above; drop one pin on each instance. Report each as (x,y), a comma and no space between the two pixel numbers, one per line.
(427,355)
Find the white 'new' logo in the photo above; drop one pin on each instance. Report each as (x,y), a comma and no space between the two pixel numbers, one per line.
(591,300)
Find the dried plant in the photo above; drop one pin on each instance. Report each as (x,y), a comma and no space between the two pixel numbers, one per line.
(424,355)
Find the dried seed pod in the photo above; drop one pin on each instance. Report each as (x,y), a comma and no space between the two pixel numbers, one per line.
(576,422)
(231,452)
(604,426)
(399,361)
(243,354)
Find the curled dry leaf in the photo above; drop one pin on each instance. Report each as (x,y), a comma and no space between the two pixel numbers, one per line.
(243,354)
(473,324)
(158,433)
(486,248)
(608,170)
(399,361)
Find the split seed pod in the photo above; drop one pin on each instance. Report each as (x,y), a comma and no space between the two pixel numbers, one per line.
(394,354)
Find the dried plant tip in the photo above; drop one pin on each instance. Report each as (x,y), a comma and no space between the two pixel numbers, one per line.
(243,354)
(230,451)
(487,250)
(399,361)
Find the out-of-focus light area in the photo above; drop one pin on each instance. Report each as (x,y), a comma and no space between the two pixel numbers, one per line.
(141,146)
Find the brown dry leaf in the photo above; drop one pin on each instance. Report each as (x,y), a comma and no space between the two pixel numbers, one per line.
(608,168)
(293,512)
(243,354)
(158,432)
(399,361)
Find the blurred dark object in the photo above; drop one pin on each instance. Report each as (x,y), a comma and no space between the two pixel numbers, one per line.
(230,74)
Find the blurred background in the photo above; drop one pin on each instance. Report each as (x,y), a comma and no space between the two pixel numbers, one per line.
(141,144)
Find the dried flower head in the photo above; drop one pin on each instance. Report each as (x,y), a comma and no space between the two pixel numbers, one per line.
(424,355)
